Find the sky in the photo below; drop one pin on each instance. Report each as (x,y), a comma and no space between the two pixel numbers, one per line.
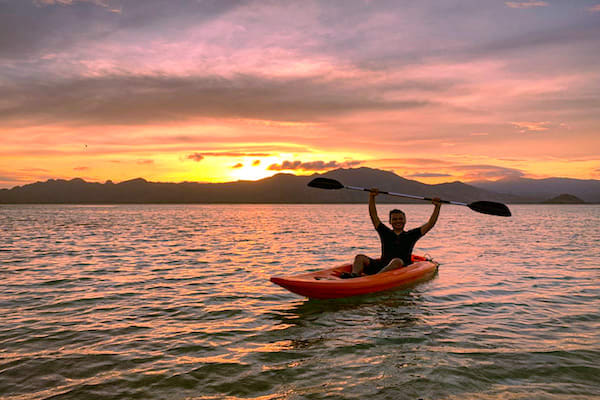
(220,90)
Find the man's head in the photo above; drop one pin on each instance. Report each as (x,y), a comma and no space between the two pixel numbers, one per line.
(397,219)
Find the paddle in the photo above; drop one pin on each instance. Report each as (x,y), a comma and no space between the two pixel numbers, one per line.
(484,207)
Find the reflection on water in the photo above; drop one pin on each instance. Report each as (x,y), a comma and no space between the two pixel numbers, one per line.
(175,302)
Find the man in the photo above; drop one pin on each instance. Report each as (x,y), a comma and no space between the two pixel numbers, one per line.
(396,244)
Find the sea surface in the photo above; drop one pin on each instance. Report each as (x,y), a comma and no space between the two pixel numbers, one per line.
(174,302)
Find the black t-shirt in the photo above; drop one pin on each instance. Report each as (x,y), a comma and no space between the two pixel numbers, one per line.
(397,246)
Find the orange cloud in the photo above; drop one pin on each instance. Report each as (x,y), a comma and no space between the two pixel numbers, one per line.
(195,157)
(532,126)
(200,156)
(412,161)
(234,154)
(429,175)
(311,165)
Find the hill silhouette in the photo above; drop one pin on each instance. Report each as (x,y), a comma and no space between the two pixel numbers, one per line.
(280,188)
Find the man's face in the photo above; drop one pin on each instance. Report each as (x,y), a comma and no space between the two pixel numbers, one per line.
(397,220)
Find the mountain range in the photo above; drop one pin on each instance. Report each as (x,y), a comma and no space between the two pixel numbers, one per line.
(285,188)
(537,189)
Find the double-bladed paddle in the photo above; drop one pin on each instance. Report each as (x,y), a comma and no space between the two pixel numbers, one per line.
(484,207)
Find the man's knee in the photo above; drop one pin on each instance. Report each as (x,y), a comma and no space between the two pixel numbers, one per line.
(361,258)
(397,263)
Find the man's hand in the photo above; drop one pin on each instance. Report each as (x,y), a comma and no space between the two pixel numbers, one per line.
(436,201)
(374,191)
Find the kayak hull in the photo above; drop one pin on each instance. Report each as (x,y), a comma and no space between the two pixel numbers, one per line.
(327,284)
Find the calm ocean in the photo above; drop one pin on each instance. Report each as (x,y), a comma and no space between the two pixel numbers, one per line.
(174,302)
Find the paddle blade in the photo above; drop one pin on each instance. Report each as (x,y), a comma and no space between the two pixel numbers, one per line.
(325,183)
(490,207)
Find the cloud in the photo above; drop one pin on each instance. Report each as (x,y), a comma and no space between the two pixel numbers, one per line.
(235,154)
(429,175)
(255,163)
(108,100)
(557,46)
(195,157)
(101,3)
(532,126)
(145,162)
(238,165)
(484,172)
(525,4)
(22,176)
(81,168)
(30,170)
(595,8)
(30,29)
(4,179)
(413,161)
(311,165)
(200,156)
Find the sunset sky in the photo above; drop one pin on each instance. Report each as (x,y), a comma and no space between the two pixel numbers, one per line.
(220,90)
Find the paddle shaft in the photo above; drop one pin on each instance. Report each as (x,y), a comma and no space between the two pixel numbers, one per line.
(484,207)
(409,196)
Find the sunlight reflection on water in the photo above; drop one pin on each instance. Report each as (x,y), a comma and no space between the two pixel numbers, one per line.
(174,301)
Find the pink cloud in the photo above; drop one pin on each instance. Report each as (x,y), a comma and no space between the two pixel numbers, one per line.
(595,8)
(484,172)
(532,126)
(525,4)
(100,3)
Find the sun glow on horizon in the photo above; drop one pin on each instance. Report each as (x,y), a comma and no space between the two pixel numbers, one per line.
(252,169)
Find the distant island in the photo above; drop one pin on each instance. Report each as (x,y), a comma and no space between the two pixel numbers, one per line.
(280,188)
(542,190)
(565,198)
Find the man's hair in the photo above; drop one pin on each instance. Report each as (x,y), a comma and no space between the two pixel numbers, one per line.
(396,211)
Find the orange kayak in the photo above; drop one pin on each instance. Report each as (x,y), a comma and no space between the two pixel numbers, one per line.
(327,284)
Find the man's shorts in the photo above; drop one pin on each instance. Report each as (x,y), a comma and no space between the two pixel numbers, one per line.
(375,265)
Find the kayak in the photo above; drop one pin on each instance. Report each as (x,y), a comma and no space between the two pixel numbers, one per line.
(327,284)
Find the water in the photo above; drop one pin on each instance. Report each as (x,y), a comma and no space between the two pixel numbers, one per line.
(174,302)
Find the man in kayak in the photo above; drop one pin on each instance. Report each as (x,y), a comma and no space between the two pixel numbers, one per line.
(396,244)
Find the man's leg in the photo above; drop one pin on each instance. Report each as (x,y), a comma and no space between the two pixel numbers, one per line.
(394,264)
(360,262)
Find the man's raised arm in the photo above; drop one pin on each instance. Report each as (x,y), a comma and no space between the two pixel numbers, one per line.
(372,209)
(434,216)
